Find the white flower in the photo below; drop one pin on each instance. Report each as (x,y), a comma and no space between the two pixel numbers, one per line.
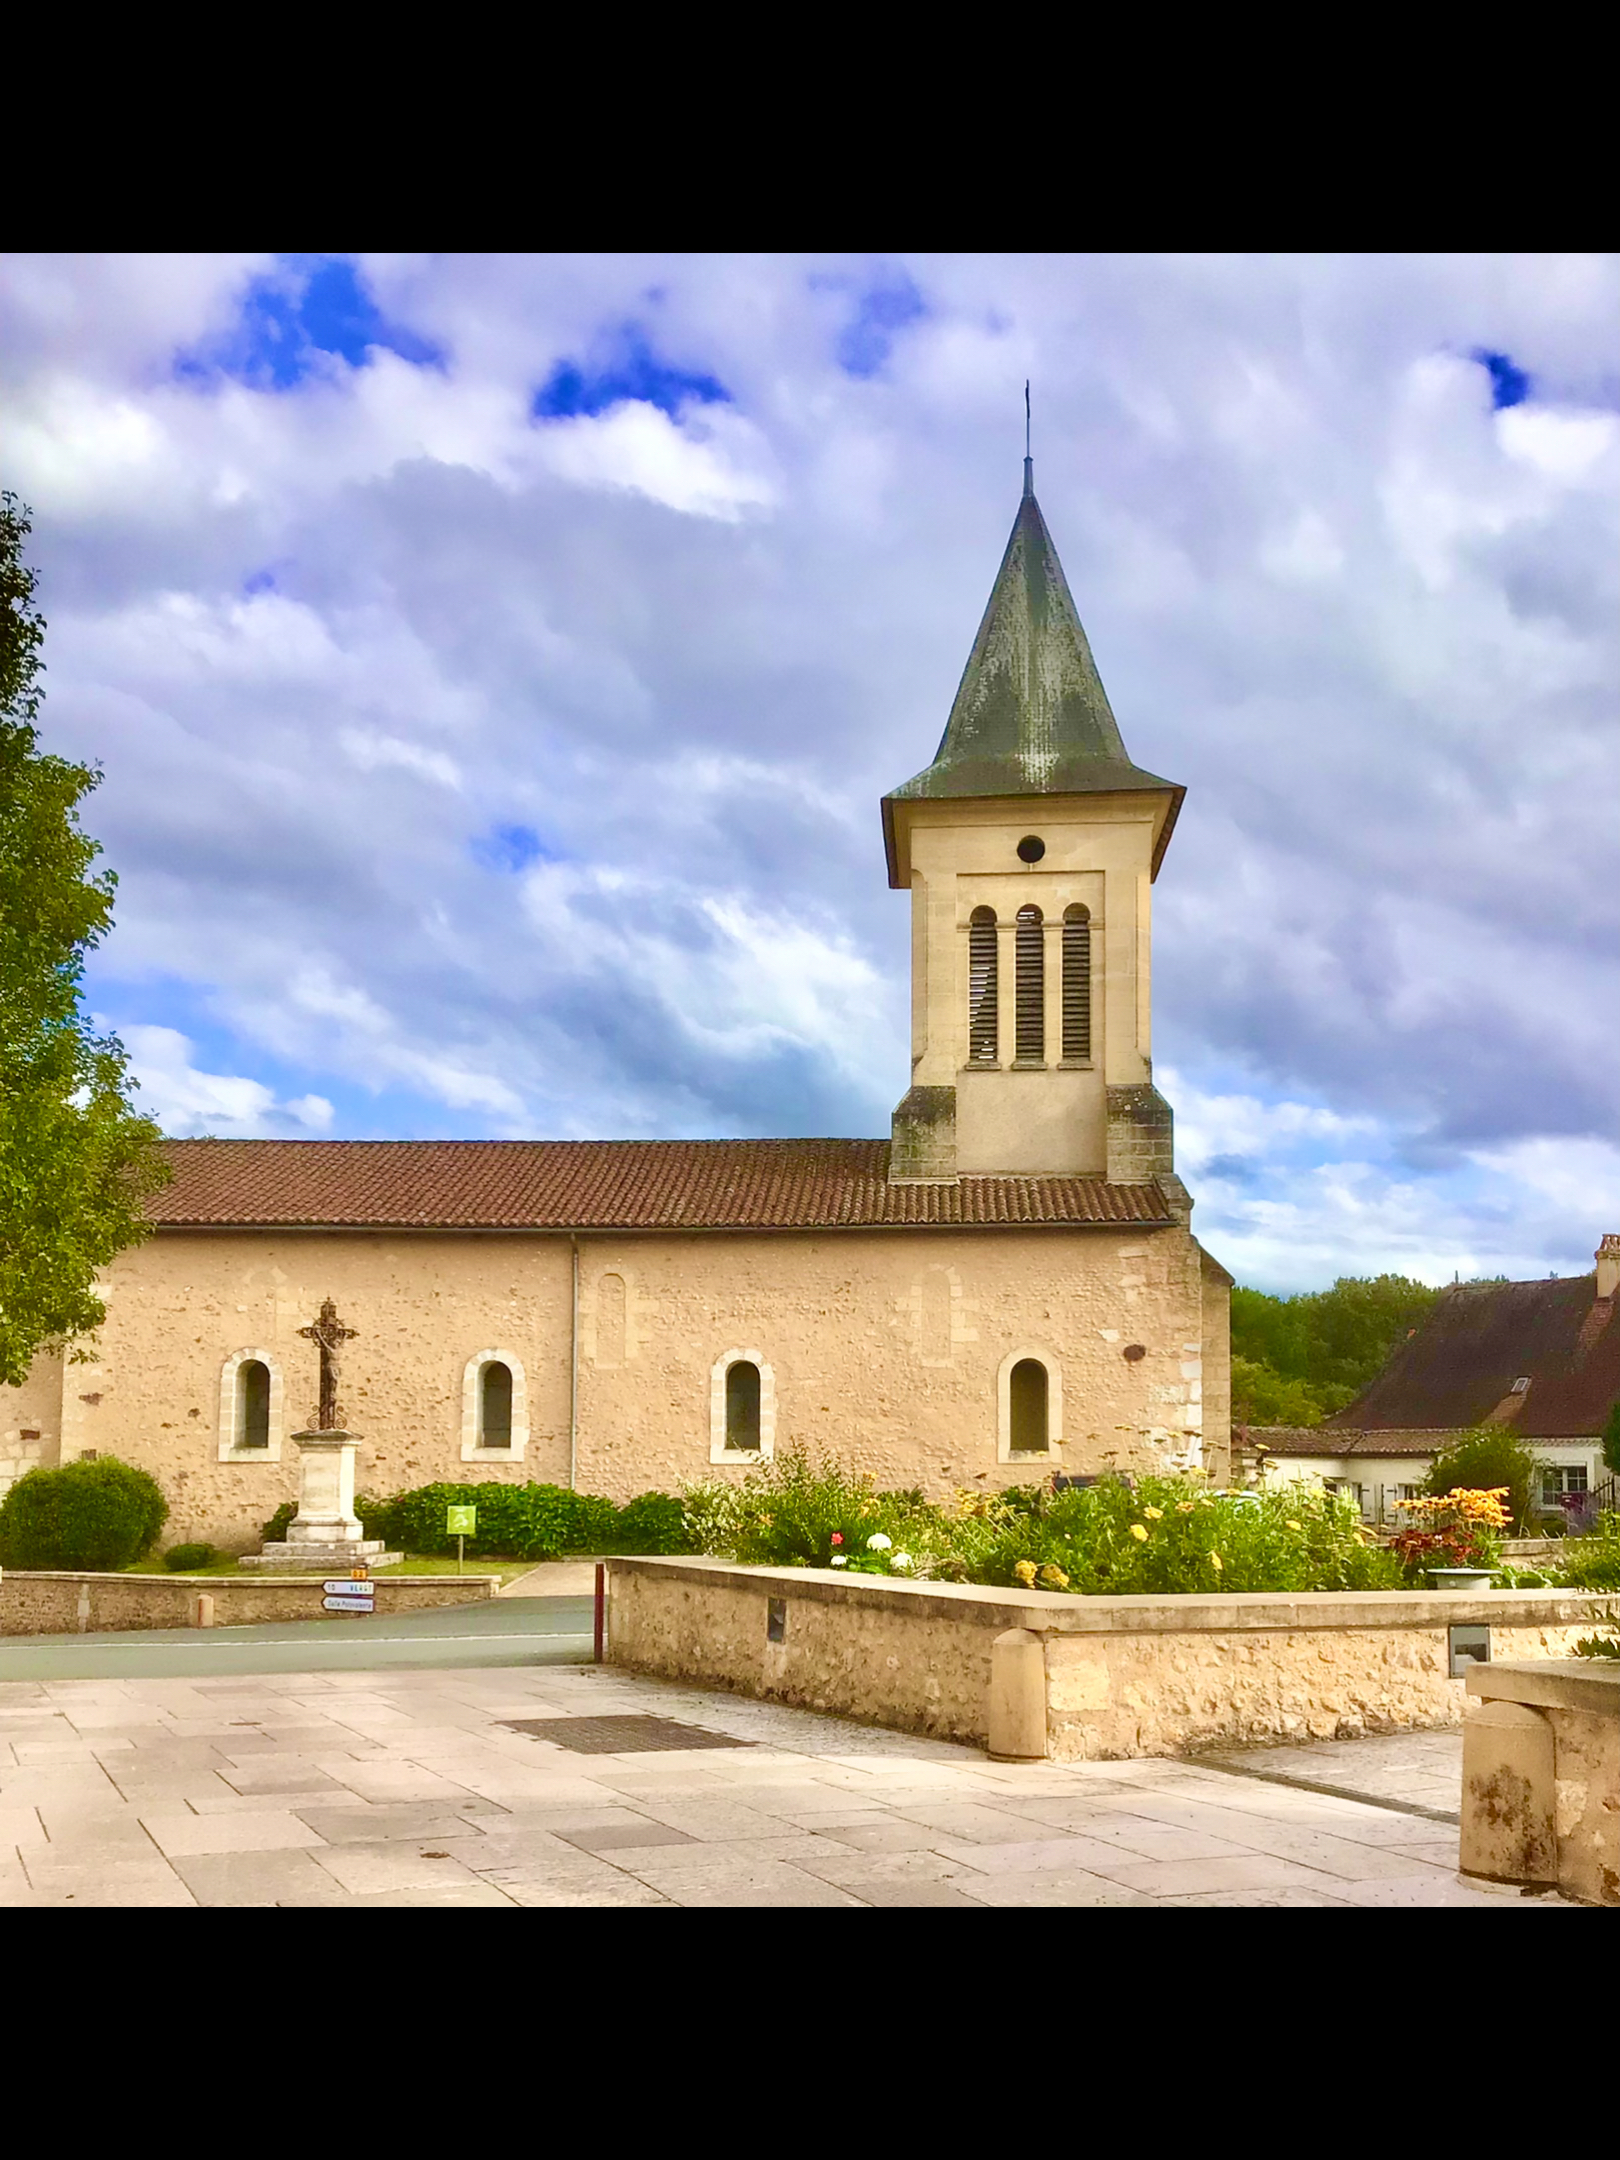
(840,1559)
(901,1560)
(877,1542)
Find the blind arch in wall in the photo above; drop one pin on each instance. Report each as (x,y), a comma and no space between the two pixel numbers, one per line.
(1077,983)
(982,1044)
(1029,1004)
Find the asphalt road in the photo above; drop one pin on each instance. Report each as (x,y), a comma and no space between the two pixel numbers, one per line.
(498,1631)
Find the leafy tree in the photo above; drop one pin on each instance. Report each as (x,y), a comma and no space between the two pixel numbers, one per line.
(1485,1460)
(76,1161)
(1611,1440)
(1295,1360)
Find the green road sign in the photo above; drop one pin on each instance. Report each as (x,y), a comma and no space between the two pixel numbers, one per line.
(460,1521)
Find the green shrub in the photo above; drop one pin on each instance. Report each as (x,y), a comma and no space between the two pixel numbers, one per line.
(185,1559)
(528,1522)
(98,1515)
(654,1522)
(1485,1461)
(1593,1562)
(793,1512)
(275,1530)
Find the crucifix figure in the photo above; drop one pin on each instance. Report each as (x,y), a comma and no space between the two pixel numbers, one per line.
(329,1333)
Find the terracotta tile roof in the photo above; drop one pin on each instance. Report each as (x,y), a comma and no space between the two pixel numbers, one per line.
(1330,1443)
(1460,1367)
(609,1185)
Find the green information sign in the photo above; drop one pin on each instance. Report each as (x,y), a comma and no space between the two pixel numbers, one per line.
(460,1521)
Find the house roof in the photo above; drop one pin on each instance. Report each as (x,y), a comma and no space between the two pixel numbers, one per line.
(1031,716)
(1459,1368)
(610,1185)
(1333,1444)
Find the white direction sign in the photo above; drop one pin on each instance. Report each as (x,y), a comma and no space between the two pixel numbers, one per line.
(349,1586)
(349,1604)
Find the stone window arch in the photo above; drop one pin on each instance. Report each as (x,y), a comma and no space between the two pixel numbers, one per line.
(1029,1405)
(742,1407)
(1076,985)
(494,1410)
(251,1407)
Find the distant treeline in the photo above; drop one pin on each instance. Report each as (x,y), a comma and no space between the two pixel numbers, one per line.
(1295,1360)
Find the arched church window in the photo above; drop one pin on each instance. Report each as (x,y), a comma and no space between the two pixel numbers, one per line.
(253,1403)
(1029,1004)
(1027,1407)
(1077,983)
(742,1406)
(495,1405)
(982,986)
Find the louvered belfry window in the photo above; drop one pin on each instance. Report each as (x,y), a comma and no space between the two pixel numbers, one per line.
(982,986)
(1030,1002)
(1077,983)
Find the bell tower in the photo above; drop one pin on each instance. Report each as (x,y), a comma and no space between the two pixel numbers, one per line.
(1029,847)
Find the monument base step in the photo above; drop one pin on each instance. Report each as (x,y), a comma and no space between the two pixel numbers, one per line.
(290,1559)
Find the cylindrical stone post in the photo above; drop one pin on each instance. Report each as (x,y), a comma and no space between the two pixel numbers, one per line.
(202,1610)
(1017,1718)
(1508,1795)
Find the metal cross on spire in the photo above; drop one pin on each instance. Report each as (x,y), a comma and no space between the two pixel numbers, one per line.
(1029,462)
(329,1334)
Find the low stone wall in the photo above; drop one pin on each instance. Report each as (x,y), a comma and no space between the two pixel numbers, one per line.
(1124,1676)
(59,1604)
(1541,1777)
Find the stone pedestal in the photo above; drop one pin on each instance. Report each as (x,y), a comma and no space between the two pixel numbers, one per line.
(326,1533)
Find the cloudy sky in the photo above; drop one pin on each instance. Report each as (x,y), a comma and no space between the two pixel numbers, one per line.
(496,661)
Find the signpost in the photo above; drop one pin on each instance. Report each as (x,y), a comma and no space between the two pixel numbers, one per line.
(349,1594)
(460,1523)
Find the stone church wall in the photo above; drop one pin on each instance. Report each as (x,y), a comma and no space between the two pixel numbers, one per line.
(885,1347)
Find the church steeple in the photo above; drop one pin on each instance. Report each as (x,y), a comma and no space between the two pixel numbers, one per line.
(1031,716)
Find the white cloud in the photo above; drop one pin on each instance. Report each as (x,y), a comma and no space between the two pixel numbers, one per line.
(368,751)
(700,466)
(187,1102)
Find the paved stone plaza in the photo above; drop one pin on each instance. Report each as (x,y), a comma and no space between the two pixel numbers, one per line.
(408,1788)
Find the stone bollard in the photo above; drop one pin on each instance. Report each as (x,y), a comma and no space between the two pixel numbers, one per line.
(1017,1697)
(202,1610)
(1507,1795)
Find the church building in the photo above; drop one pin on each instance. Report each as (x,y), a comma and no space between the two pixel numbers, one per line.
(1006,1287)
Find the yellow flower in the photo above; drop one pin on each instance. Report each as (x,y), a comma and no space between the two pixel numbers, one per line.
(1184,1507)
(1154,1514)
(1138,1532)
(1054,1577)
(1025,1571)
(1215,1562)
(1296,1526)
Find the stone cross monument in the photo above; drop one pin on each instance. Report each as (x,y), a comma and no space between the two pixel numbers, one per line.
(326,1533)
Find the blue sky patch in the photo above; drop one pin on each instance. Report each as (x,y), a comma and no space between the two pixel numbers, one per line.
(1510,385)
(882,311)
(575,389)
(308,304)
(510,847)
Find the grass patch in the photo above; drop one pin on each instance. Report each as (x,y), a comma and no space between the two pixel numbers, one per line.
(412,1564)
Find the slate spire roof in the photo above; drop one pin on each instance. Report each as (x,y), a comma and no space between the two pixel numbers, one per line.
(1031,716)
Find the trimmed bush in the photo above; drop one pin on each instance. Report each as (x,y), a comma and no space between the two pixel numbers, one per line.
(654,1522)
(275,1530)
(96,1515)
(184,1559)
(529,1522)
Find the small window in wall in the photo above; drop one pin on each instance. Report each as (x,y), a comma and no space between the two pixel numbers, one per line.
(1027,1407)
(253,1404)
(1076,984)
(982,987)
(1560,1478)
(495,1406)
(1029,1005)
(742,1406)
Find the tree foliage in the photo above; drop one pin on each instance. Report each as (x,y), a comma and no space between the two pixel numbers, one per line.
(99,1515)
(76,1161)
(1484,1461)
(1295,1360)
(1611,1440)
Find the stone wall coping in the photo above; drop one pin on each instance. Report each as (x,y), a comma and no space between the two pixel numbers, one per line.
(277,1580)
(1587,1684)
(1056,1612)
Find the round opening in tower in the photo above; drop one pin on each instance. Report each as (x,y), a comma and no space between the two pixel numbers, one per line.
(1030,849)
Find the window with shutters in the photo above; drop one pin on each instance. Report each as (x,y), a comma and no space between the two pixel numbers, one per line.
(1076,984)
(1029,1004)
(982,1048)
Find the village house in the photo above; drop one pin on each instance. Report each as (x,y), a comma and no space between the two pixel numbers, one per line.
(1541,1359)
(1008,1285)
